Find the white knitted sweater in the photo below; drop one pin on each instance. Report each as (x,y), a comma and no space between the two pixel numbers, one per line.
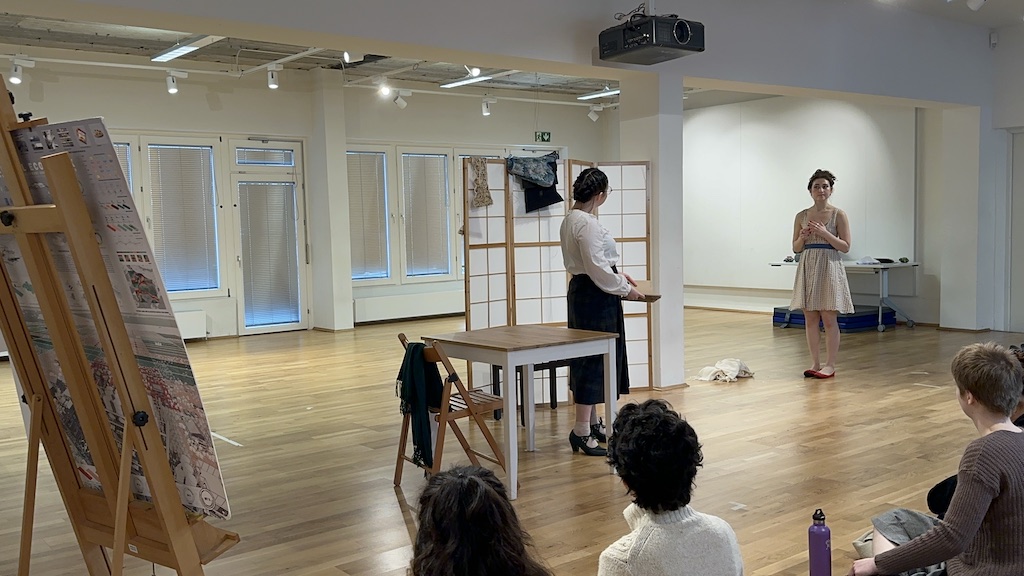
(682,542)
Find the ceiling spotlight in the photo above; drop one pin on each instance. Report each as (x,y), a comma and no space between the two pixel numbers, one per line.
(350,57)
(172,80)
(472,72)
(486,106)
(272,80)
(600,94)
(593,114)
(18,68)
(186,46)
(468,79)
(385,90)
(399,99)
(975,4)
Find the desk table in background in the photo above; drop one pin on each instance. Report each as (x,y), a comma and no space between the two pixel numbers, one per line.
(883,285)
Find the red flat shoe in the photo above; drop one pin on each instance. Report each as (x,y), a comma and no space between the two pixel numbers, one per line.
(821,376)
(809,373)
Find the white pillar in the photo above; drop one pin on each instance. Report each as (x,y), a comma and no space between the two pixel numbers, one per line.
(328,208)
(651,128)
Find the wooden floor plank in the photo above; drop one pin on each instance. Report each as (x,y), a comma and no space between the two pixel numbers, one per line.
(318,423)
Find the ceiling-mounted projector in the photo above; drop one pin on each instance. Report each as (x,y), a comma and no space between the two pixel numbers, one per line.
(651,39)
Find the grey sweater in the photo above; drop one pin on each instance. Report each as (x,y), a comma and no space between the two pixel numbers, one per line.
(982,532)
(681,543)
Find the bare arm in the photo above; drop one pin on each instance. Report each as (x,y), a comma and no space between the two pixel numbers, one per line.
(800,233)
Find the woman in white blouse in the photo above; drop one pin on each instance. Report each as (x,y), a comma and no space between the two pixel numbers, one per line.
(595,299)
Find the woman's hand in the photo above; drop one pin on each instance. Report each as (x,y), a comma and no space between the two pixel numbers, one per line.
(805,232)
(634,295)
(819,229)
(863,567)
(629,279)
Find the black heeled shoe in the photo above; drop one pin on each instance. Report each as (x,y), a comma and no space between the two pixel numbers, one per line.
(595,431)
(580,443)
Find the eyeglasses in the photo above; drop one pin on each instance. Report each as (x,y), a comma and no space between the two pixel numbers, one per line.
(608,191)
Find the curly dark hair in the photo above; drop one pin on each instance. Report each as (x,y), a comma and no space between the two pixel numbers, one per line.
(819,173)
(589,184)
(656,453)
(468,527)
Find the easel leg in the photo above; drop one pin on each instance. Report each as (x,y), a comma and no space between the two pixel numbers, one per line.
(35,408)
(121,521)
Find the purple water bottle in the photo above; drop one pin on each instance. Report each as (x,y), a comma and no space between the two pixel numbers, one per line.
(819,546)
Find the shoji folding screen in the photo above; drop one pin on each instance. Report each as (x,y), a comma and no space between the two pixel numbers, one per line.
(514,270)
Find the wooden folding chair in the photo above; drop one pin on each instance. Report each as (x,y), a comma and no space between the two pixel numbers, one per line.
(456,402)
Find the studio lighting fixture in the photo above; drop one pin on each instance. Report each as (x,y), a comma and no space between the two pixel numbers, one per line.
(474,71)
(272,80)
(350,57)
(486,106)
(186,46)
(385,90)
(975,4)
(18,68)
(600,94)
(469,79)
(172,80)
(400,99)
(593,114)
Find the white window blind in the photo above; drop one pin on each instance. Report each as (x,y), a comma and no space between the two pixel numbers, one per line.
(124,157)
(427,222)
(368,215)
(184,216)
(270,253)
(264,157)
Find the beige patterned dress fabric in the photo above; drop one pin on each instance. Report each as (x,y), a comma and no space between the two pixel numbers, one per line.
(821,282)
(482,193)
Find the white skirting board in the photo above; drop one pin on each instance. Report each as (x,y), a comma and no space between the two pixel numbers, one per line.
(377,308)
(191,323)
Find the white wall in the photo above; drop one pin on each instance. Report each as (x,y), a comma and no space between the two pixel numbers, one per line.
(745,177)
(1009,84)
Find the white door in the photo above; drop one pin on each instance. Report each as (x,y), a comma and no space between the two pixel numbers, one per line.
(271,254)
(1017,236)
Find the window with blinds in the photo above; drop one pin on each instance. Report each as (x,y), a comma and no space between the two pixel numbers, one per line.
(264,157)
(368,215)
(184,216)
(427,222)
(124,157)
(270,252)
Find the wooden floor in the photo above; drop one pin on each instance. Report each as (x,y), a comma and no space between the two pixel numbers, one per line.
(315,414)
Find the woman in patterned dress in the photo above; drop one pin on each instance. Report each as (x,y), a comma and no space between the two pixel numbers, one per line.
(821,235)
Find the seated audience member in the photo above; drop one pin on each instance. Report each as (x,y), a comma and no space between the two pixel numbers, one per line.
(656,454)
(982,532)
(468,527)
(942,493)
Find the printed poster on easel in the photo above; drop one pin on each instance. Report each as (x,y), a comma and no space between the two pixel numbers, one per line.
(143,300)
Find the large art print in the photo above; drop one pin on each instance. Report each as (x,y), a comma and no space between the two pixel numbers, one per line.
(143,301)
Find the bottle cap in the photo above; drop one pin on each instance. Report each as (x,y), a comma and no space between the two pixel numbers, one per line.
(819,516)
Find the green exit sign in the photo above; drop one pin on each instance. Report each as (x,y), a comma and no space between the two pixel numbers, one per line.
(542,136)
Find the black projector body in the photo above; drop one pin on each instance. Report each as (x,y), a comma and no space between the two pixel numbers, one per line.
(651,39)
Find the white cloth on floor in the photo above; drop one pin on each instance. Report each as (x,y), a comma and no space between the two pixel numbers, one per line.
(727,370)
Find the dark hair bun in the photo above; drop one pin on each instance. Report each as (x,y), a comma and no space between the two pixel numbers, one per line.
(589,184)
(822,174)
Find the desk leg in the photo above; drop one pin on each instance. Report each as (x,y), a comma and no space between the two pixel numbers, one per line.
(508,375)
(528,407)
(610,386)
(884,299)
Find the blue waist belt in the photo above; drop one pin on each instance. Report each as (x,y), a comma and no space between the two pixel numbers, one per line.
(822,246)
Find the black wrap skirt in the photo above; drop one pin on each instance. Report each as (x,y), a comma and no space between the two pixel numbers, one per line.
(591,308)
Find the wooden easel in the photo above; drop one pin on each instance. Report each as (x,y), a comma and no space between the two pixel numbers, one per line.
(157,531)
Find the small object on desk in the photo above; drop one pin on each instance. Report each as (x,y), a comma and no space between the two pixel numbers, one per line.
(885,260)
(644,287)
(904,259)
(788,259)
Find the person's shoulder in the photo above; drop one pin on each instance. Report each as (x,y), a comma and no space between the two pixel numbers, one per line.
(715,523)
